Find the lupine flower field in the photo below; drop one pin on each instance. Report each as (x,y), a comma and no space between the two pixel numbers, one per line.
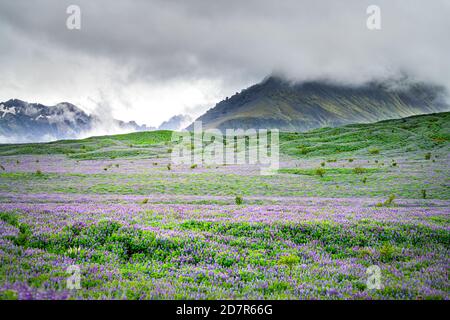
(140,227)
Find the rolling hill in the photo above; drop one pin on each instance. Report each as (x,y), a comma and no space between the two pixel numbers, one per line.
(416,133)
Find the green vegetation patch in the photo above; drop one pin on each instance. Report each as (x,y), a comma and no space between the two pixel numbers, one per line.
(326,171)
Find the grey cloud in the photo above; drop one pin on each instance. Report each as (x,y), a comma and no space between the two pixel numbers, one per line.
(236,42)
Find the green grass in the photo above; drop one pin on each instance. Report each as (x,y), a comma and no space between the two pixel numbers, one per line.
(23,176)
(334,183)
(94,147)
(113,154)
(407,141)
(425,132)
(415,133)
(143,138)
(326,171)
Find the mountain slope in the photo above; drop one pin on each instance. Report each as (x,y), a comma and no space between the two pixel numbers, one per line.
(276,103)
(176,123)
(21,121)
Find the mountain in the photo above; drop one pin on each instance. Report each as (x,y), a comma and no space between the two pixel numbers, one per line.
(176,123)
(278,103)
(21,121)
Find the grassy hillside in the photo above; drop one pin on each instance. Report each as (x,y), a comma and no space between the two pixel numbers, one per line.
(425,132)
(115,146)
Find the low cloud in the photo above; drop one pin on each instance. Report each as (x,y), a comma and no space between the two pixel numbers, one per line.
(154,59)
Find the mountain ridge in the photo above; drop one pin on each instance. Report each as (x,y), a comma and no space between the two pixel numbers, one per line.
(278,103)
(33,122)
(176,123)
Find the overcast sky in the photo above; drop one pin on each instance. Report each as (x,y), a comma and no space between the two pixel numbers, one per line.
(148,60)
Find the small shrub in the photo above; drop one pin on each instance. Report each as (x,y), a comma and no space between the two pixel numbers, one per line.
(106,169)
(387,252)
(144,201)
(10,218)
(194,166)
(2,167)
(8,295)
(303,149)
(74,252)
(365,252)
(359,170)
(238,200)
(169,150)
(320,172)
(390,200)
(38,172)
(428,156)
(386,203)
(394,164)
(350,160)
(169,167)
(289,261)
(24,235)
(364,180)
(323,164)
(374,151)
(225,260)
(424,193)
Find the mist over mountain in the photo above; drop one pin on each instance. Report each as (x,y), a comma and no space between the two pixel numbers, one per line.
(279,103)
(273,103)
(21,121)
(176,123)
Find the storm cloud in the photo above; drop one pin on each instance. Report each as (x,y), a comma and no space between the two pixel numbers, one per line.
(149,60)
